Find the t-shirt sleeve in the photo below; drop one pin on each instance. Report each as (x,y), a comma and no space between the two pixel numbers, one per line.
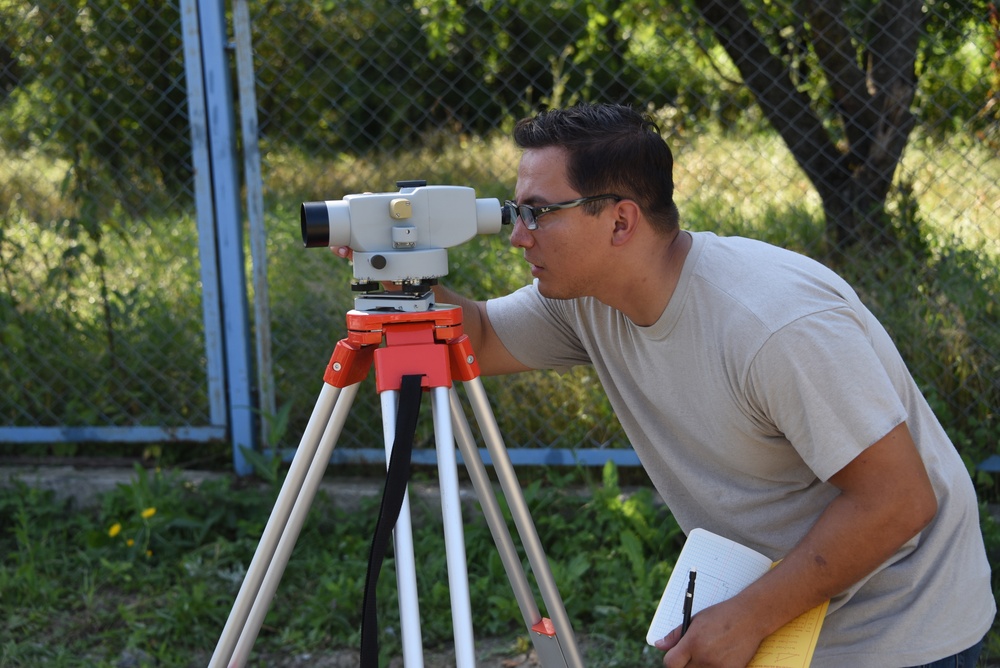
(538,332)
(822,385)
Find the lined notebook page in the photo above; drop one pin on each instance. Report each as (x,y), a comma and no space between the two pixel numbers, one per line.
(724,568)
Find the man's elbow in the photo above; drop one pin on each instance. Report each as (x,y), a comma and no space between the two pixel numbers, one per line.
(916,508)
(925,508)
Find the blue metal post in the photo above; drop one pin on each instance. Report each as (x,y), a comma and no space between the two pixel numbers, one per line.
(219,106)
(215,356)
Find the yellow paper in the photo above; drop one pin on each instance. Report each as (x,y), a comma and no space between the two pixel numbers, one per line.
(792,645)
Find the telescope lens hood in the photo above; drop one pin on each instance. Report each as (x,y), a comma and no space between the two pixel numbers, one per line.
(315,224)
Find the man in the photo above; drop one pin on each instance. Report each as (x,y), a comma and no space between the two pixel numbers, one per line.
(764,400)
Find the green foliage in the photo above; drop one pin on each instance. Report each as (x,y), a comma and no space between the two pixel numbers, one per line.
(93,86)
(377,74)
(96,83)
(92,256)
(943,316)
(101,585)
(120,313)
(470,66)
(954,86)
(948,306)
(154,569)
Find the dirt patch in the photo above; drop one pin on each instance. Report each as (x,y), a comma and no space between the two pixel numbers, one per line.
(490,653)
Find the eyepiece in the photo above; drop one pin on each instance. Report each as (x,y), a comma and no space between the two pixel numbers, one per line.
(315,224)
(507,217)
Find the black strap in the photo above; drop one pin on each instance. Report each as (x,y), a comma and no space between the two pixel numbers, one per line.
(397,476)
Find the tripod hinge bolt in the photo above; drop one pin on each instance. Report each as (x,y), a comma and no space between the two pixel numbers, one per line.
(470,359)
(337,366)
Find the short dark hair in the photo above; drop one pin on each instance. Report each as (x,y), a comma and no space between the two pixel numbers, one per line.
(611,148)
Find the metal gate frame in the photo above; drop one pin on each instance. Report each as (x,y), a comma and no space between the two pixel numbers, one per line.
(224,296)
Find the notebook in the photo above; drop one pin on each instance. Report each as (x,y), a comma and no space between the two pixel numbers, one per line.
(724,568)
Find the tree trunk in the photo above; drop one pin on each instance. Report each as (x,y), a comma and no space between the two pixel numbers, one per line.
(852,172)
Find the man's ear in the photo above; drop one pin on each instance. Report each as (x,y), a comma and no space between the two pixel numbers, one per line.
(627,216)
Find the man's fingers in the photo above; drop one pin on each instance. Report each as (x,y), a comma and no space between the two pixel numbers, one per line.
(668,641)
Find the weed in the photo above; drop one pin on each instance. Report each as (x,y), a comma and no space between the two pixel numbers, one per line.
(88,587)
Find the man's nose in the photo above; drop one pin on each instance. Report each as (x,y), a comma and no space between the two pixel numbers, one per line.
(520,236)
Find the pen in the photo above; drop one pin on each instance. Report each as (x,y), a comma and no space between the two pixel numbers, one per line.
(688,602)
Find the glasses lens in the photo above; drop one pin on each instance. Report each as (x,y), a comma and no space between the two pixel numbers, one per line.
(527,216)
(512,212)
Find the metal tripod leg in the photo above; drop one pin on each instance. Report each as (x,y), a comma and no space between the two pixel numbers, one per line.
(402,538)
(283,526)
(454,537)
(555,644)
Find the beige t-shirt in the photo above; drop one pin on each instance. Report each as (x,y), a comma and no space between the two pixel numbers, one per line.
(763,377)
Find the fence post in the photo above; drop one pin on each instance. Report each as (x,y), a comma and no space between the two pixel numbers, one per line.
(215,360)
(255,215)
(225,251)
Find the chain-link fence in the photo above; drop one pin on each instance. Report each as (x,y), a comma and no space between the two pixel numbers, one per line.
(868,138)
(100,312)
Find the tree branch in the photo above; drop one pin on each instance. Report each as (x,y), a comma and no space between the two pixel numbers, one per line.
(838,59)
(893,74)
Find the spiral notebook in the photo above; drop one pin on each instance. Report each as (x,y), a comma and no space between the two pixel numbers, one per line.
(725,568)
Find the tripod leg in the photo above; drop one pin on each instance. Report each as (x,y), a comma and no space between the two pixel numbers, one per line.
(283,526)
(522,522)
(454,538)
(494,516)
(402,538)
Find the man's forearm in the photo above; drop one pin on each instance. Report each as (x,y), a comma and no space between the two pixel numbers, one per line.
(886,499)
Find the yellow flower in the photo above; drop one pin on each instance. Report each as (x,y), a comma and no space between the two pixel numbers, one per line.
(130,542)
(115,529)
(148,512)
(149,553)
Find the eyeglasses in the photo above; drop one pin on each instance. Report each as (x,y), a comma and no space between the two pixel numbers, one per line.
(529,215)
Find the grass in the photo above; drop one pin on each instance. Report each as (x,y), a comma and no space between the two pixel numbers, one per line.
(153,569)
(147,576)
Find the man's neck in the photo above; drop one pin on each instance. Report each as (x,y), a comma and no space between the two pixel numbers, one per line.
(650,281)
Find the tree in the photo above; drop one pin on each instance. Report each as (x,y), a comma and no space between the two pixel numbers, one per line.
(849,135)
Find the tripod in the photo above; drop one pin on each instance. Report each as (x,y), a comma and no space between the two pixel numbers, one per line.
(429,343)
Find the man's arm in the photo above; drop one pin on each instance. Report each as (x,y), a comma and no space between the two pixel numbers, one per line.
(494,358)
(886,498)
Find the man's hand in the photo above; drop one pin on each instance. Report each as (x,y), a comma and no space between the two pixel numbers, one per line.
(722,635)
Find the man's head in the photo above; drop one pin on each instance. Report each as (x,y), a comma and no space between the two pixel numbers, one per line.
(610,149)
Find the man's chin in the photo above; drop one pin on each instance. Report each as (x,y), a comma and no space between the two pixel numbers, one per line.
(549,291)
